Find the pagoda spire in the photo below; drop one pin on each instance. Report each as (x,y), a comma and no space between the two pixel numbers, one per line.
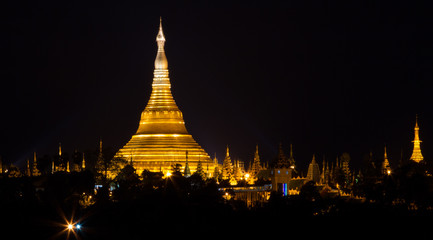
(322,174)
(53,166)
(161,98)
(416,154)
(282,161)
(386,168)
(187,171)
(313,173)
(83,164)
(60,163)
(28,170)
(215,160)
(227,151)
(100,167)
(291,158)
(227,166)
(35,170)
(256,163)
(161,60)
(60,149)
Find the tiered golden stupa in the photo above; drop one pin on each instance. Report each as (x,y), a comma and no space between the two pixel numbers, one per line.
(416,154)
(162,139)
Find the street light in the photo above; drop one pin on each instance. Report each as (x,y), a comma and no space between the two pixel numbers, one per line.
(70,226)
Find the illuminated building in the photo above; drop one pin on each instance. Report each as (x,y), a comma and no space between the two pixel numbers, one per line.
(61,165)
(53,167)
(280,178)
(256,167)
(227,169)
(83,164)
(28,170)
(216,173)
(35,170)
(162,139)
(345,160)
(281,174)
(238,170)
(313,171)
(324,177)
(291,158)
(386,168)
(416,154)
(252,196)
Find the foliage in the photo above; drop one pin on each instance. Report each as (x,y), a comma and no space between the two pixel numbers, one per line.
(409,185)
(151,180)
(309,192)
(147,200)
(127,182)
(176,169)
(109,168)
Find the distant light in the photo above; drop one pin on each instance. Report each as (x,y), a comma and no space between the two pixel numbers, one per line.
(168,174)
(78,226)
(70,226)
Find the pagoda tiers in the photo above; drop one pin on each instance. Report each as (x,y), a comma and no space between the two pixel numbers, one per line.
(162,140)
(416,153)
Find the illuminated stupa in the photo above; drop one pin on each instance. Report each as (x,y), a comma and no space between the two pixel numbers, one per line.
(416,154)
(162,140)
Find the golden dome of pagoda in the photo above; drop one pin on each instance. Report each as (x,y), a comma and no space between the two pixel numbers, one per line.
(161,139)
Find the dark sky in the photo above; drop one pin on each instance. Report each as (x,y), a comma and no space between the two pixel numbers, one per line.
(328,77)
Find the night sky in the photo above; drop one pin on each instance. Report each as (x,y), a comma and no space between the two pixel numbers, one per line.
(328,77)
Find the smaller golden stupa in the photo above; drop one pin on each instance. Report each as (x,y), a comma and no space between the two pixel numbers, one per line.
(416,154)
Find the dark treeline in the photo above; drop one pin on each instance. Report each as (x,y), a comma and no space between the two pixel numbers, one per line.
(171,206)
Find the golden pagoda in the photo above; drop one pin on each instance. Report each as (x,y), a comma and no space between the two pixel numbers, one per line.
(386,168)
(162,140)
(416,154)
